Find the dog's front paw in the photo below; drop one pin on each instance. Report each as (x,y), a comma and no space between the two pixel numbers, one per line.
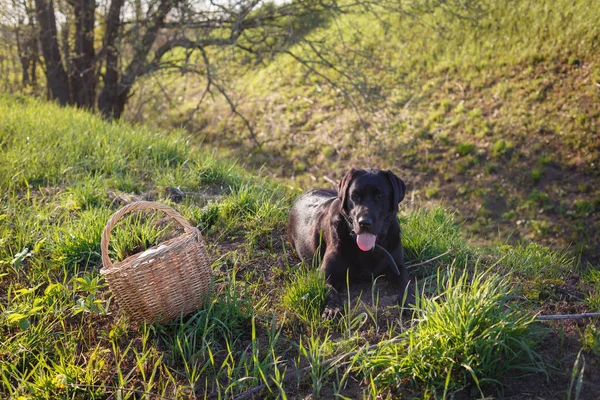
(333,305)
(407,301)
(331,312)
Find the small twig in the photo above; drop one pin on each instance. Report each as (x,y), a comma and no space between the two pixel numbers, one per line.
(331,361)
(115,388)
(328,179)
(206,90)
(428,261)
(408,102)
(567,316)
(212,82)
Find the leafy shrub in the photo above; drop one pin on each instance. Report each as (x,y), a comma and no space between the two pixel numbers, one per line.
(464,149)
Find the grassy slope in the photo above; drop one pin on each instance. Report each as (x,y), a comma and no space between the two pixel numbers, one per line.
(489,108)
(61,335)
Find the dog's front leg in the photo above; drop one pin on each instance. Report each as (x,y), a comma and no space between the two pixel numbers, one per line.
(334,268)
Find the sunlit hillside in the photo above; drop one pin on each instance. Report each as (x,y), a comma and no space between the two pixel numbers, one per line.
(487,106)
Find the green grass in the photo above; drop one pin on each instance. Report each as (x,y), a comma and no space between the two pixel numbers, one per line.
(467,334)
(428,233)
(62,334)
(592,298)
(65,174)
(437,79)
(305,295)
(532,261)
(590,339)
(486,106)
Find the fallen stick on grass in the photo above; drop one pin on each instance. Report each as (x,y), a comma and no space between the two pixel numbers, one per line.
(428,261)
(567,316)
(331,181)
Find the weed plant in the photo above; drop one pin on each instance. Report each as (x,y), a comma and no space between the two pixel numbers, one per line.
(305,295)
(467,334)
(531,261)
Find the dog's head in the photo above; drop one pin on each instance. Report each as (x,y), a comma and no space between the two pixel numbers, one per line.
(370,199)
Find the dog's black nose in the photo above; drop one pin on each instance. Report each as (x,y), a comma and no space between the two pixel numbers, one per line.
(365,222)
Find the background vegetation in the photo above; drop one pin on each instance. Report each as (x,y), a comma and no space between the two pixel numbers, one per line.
(62,335)
(487,106)
(485,109)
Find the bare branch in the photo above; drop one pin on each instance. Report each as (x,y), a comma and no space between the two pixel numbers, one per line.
(333,84)
(567,316)
(232,105)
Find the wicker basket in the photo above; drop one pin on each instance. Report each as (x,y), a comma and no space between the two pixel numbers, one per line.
(170,281)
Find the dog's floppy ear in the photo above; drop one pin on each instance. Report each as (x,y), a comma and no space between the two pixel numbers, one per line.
(345,185)
(398,189)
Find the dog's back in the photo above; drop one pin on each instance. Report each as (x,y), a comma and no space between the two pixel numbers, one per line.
(305,219)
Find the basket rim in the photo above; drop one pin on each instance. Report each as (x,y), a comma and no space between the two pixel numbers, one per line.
(131,262)
(131,207)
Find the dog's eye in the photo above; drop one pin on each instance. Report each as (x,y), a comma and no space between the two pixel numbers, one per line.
(379,196)
(354,197)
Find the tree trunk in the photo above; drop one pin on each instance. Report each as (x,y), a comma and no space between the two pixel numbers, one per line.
(55,73)
(82,74)
(32,42)
(22,53)
(21,48)
(116,91)
(65,34)
(107,102)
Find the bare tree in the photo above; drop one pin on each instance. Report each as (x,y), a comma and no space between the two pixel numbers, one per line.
(83,74)
(117,86)
(26,41)
(56,75)
(140,37)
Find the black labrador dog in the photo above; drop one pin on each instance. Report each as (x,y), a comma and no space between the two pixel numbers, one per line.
(355,230)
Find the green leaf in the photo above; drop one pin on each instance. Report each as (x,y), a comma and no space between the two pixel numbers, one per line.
(38,246)
(16,317)
(35,310)
(19,257)
(24,324)
(21,292)
(53,288)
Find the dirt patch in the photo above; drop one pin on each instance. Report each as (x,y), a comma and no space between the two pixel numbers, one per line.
(559,352)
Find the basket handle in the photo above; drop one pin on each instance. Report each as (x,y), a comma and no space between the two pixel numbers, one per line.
(138,205)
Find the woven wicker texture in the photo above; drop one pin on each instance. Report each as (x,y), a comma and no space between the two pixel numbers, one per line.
(165,284)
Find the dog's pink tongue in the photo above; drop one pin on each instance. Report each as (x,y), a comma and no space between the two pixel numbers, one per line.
(365,241)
